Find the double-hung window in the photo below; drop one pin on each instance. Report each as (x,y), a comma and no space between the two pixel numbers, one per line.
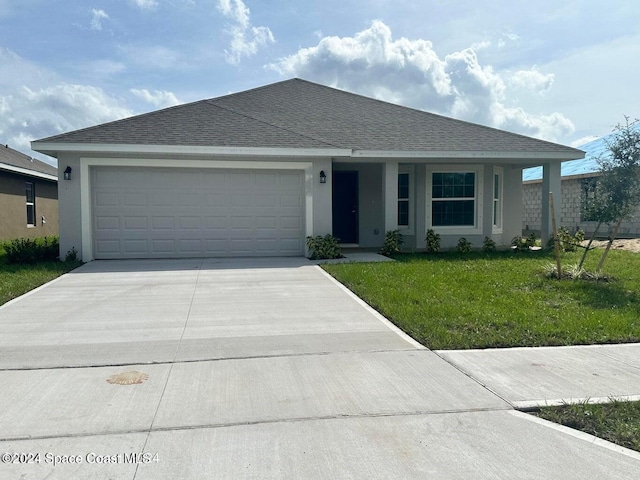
(405,199)
(453,199)
(497,199)
(31,203)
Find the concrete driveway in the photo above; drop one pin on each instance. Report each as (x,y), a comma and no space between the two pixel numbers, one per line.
(261,368)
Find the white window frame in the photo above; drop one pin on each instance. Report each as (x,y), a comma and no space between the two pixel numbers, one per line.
(475,229)
(407,169)
(30,204)
(497,200)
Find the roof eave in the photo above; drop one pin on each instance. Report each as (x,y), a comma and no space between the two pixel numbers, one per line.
(553,155)
(26,171)
(54,148)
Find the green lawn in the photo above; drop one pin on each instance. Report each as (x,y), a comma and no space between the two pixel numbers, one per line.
(16,280)
(503,299)
(617,422)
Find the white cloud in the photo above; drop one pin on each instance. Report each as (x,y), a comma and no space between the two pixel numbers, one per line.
(157,98)
(245,38)
(411,73)
(96,18)
(145,4)
(532,80)
(30,113)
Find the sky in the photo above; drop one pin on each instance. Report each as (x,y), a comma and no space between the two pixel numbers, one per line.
(565,71)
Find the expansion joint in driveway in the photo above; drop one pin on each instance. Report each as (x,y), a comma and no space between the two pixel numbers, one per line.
(257,422)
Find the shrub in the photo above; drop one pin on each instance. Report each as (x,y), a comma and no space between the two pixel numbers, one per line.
(568,242)
(321,248)
(523,243)
(488,245)
(464,245)
(72,255)
(393,241)
(433,241)
(31,250)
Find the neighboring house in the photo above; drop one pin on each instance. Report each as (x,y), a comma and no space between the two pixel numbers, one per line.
(578,181)
(28,196)
(254,173)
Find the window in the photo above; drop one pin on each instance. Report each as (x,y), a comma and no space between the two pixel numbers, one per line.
(453,199)
(497,200)
(31,203)
(405,198)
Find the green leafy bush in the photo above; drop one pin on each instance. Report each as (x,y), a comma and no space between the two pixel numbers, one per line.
(488,245)
(31,250)
(433,241)
(464,245)
(568,242)
(393,242)
(321,248)
(523,243)
(72,255)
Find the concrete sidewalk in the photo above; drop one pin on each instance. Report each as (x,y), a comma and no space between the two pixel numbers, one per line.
(255,368)
(533,377)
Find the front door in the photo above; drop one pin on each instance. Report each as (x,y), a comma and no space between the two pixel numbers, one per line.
(345,206)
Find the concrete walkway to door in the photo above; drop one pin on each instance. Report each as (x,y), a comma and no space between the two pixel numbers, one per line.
(254,368)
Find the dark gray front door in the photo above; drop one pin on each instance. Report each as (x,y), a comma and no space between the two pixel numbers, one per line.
(345,206)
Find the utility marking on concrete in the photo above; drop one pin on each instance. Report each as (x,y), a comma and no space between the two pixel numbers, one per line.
(128,378)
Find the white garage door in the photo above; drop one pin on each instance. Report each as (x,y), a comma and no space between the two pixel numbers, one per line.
(175,212)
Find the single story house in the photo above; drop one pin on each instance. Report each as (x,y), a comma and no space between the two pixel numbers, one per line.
(578,181)
(28,196)
(254,173)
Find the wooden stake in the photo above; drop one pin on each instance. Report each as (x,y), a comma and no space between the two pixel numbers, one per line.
(556,242)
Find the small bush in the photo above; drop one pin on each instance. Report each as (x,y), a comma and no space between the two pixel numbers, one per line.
(393,241)
(31,250)
(523,243)
(72,255)
(433,241)
(488,245)
(464,245)
(322,248)
(568,242)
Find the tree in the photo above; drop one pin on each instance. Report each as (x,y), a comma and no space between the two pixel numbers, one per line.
(617,191)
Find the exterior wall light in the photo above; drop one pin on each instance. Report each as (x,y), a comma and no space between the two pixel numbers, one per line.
(67,173)
(323,176)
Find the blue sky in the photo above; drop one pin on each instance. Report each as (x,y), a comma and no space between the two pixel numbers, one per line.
(563,71)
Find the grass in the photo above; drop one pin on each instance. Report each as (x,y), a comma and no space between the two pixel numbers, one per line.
(16,280)
(502,299)
(617,421)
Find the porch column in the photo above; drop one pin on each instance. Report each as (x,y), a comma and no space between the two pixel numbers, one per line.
(551,183)
(390,187)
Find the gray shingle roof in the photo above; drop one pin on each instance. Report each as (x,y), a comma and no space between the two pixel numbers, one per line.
(13,158)
(300,114)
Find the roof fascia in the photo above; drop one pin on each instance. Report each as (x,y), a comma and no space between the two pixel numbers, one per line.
(50,148)
(26,171)
(558,155)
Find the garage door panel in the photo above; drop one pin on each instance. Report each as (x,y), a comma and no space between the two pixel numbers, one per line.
(217,200)
(135,223)
(107,199)
(163,223)
(186,212)
(163,246)
(135,246)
